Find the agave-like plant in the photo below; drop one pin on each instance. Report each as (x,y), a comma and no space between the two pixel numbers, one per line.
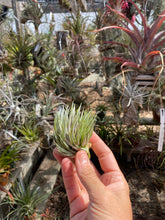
(19,52)
(145,55)
(72,130)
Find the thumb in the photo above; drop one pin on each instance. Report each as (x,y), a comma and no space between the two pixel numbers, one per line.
(87,175)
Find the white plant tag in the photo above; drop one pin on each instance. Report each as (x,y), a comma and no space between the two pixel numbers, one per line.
(161,132)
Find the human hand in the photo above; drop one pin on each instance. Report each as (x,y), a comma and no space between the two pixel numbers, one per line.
(93,196)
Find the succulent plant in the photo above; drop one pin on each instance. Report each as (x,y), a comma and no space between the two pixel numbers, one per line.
(72,130)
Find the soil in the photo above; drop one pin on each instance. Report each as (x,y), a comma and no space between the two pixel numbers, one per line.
(57,204)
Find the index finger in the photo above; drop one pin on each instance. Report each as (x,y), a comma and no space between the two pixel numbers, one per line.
(106,158)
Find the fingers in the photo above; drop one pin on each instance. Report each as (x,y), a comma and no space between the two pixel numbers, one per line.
(87,175)
(70,178)
(57,156)
(77,195)
(69,172)
(106,158)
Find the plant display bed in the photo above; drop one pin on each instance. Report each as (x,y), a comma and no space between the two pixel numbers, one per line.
(26,167)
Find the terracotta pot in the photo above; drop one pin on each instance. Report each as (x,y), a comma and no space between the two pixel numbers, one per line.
(4,179)
(33,217)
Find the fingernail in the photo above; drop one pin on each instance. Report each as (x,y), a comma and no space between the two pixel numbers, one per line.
(82,157)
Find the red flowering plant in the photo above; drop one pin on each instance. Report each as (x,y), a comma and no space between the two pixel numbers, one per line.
(122,6)
(146,53)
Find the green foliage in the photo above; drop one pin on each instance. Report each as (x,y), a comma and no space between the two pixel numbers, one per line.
(48,106)
(9,156)
(101,112)
(47,60)
(70,88)
(116,135)
(25,201)
(19,52)
(76,24)
(72,130)
(120,134)
(161,160)
(29,130)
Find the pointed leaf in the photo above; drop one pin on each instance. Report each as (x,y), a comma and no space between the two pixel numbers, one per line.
(116,59)
(131,34)
(127,20)
(131,64)
(154,29)
(151,54)
(144,20)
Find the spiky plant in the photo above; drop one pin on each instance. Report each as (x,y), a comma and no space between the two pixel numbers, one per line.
(146,53)
(19,50)
(25,201)
(32,12)
(72,130)
(71,88)
(79,32)
(29,130)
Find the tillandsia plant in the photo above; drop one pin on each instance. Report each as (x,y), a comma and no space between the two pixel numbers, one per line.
(146,55)
(72,130)
(25,201)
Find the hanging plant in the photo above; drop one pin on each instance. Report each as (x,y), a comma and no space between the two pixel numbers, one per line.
(72,130)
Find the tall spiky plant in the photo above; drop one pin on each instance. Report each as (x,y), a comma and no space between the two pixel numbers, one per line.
(146,53)
(32,12)
(77,26)
(19,53)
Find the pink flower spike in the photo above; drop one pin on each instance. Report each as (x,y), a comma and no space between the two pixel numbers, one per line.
(133,18)
(124,5)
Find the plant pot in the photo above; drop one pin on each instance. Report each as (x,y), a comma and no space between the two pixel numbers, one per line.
(33,217)
(4,179)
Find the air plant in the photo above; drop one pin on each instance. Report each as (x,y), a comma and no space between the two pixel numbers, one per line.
(72,130)
(29,130)
(133,94)
(25,201)
(10,105)
(147,45)
(71,88)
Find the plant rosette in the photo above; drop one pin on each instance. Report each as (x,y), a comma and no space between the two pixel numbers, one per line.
(73,129)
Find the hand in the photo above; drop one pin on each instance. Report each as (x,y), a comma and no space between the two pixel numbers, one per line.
(93,196)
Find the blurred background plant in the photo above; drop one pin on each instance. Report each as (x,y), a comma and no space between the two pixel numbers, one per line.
(32,12)
(81,39)
(25,201)
(29,130)
(145,56)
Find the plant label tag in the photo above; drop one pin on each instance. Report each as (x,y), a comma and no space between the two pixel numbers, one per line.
(161,132)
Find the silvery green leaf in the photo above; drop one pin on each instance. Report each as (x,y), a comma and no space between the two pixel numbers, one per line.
(72,130)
